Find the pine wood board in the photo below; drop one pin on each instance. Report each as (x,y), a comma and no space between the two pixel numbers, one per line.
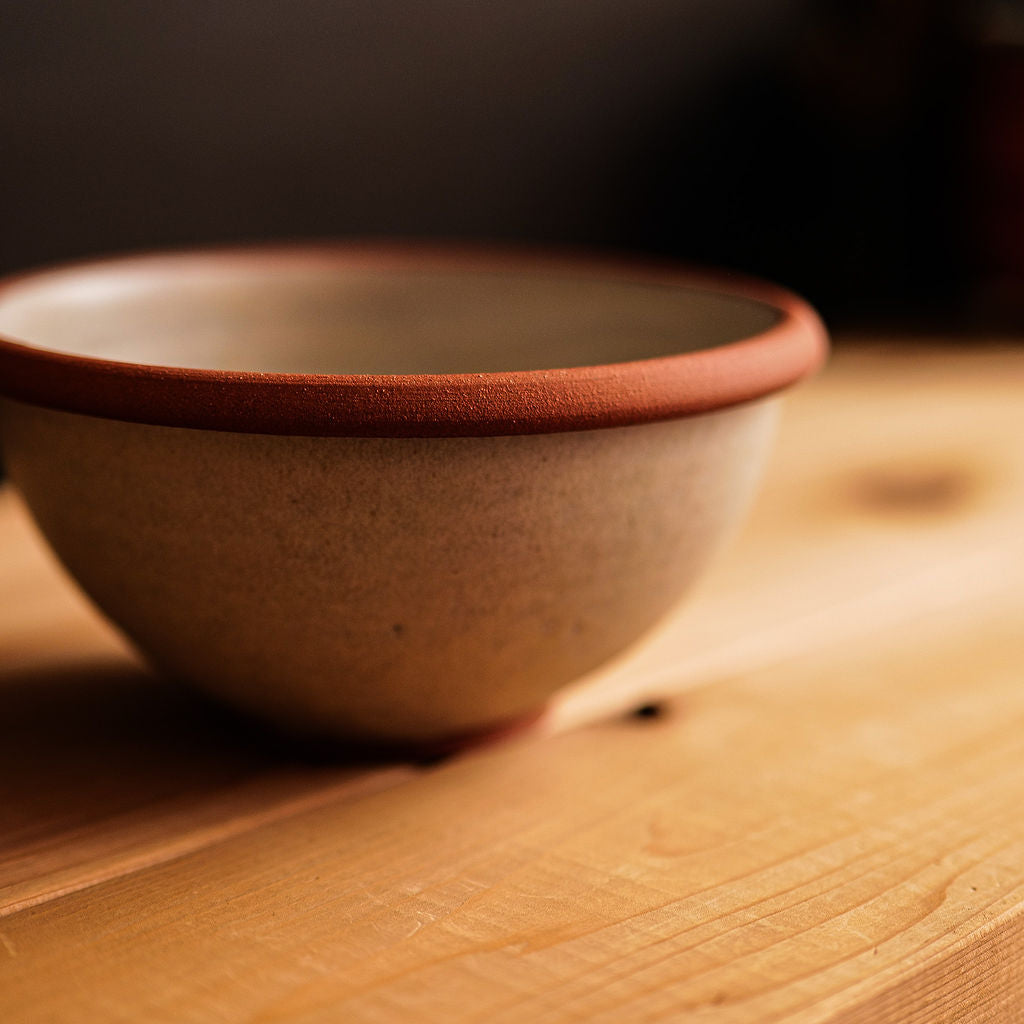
(824,826)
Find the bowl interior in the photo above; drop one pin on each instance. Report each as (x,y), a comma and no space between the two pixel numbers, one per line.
(302,316)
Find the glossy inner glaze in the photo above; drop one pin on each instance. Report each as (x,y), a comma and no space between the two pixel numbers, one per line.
(309,318)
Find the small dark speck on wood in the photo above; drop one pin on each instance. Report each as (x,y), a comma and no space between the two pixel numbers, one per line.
(652,709)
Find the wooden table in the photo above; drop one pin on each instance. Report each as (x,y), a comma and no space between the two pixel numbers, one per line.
(826,823)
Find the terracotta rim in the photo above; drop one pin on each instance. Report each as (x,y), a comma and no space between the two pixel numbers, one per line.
(424,405)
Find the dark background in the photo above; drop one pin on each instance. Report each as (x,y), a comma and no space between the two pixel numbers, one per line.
(869,154)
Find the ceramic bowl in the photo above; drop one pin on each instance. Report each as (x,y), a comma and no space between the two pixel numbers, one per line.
(397,493)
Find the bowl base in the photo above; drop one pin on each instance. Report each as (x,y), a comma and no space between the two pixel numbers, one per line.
(310,744)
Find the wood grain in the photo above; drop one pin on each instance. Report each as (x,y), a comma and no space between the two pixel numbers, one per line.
(823,825)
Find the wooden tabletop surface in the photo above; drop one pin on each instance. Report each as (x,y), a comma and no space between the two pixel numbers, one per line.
(825,822)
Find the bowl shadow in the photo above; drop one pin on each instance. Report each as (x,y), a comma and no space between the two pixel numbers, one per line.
(102,747)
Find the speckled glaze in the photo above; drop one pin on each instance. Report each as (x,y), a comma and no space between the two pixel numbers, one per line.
(331,572)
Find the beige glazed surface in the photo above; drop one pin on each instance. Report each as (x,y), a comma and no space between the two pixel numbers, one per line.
(326,570)
(388,586)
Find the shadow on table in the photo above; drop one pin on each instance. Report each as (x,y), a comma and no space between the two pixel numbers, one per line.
(99,742)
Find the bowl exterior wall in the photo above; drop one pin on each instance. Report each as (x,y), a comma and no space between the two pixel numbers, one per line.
(399,588)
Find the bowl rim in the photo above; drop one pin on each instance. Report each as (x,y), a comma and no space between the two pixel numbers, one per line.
(423,405)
